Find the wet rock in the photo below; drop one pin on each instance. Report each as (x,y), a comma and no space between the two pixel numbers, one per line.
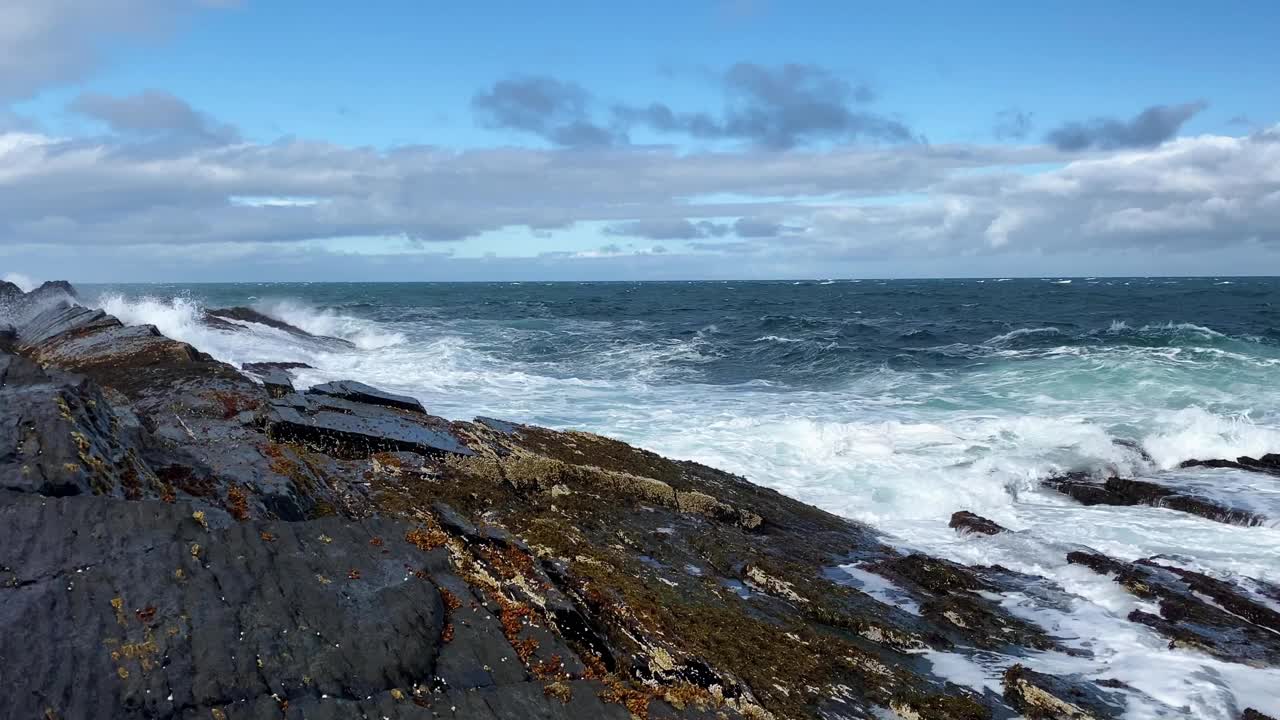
(354,430)
(262,366)
(276,381)
(60,436)
(219,318)
(1119,491)
(190,615)
(1269,463)
(1195,610)
(367,394)
(956,599)
(1047,697)
(965,521)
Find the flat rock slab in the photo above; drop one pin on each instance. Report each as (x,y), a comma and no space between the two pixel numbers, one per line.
(367,394)
(354,430)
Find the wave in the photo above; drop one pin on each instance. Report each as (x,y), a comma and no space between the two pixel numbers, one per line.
(364,334)
(777,339)
(183,318)
(24,282)
(1022,332)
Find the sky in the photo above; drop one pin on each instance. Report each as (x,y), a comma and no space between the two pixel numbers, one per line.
(247,140)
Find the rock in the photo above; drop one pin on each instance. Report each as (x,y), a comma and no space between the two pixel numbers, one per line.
(276,381)
(353,430)
(8,337)
(1046,697)
(60,436)
(219,318)
(1196,611)
(965,521)
(1119,491)
(367,394)
(8,290)
(1251,714)
(261,366)
(180,616)
(1269,463)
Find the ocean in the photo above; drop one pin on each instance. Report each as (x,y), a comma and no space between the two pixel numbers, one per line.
(891,402)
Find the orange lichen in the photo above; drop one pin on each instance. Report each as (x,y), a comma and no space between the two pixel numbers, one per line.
(353,574)
(428,539)
(233,403)
(376,542)
(635,701)
(266,536)
(238,503)
(146,614)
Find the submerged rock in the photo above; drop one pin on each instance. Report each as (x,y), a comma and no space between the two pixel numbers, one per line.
(1269,463)
(965,521)
(221,318)
(1195,610)
(1120,491)
(1046,697)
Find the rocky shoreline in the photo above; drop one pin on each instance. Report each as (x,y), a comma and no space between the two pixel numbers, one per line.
(186,539)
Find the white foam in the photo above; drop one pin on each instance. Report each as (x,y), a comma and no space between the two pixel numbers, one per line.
(24,283)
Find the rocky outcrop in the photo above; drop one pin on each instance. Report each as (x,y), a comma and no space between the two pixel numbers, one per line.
(965,521)
(1120,491)
(1269,463)
(1046,697)
(1195,610)
(227,319)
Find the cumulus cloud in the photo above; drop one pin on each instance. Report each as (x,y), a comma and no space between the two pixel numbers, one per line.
(772,107)
(151,113)
(779,108)
(1148,128)
(556,110)
(51,42)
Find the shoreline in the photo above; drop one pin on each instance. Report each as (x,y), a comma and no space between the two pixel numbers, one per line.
(666,589)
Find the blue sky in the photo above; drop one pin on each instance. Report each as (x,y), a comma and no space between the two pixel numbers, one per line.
(944,117)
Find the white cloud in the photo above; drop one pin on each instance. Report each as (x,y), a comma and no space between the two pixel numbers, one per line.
(1191,194)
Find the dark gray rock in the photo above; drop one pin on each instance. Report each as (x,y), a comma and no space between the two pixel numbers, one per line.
(367,394)
(1121,491)
(353,429)
(276,381)
(60,436)
(219,319)
(1269,463)
(172,616)
(260,366)
(1050,697)
(965,521)
(1196,611)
